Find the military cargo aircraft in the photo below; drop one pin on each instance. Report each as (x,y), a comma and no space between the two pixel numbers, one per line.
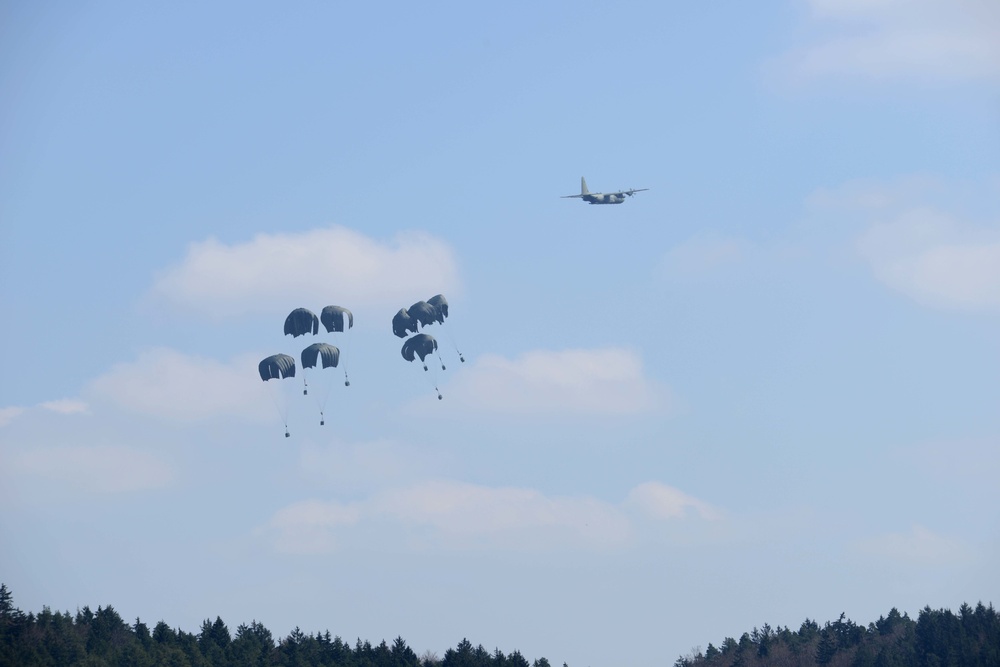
(602,197)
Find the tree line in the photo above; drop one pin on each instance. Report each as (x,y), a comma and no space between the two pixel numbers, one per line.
(102,638)
(938,638)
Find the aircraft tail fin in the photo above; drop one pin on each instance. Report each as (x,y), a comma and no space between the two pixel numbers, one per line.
(583,186)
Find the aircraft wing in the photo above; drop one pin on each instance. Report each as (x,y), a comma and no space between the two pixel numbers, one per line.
(572,196)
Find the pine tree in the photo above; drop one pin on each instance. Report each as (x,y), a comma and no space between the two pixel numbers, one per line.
(827,647)
(7,608)
(253,645)
(164,634)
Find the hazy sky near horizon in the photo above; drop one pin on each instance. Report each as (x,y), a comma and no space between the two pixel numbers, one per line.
(766,389)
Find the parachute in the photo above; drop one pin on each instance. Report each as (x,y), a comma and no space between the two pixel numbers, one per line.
(338,319)
(424,313)
(300,322)
(403,323)
(277,366)
(329,355)
(440,305)
(420,345)
(326,356)
(334,318)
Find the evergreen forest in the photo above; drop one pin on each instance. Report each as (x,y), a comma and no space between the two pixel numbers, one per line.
(102,638)
(938,638)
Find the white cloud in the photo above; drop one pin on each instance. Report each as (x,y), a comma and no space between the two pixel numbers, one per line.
(67,406)
(920,546)
(310,526)
(605,381)
(913,244)
(99,468)
(472,512)
(169,384)
(63,406)
(921,39)
(273,270)
(935,259)
(9,414)
(459,515)
(666,502)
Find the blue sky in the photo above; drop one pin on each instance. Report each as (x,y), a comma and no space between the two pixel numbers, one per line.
(764,390)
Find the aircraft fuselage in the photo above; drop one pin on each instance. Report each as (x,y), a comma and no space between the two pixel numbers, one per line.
(603,199)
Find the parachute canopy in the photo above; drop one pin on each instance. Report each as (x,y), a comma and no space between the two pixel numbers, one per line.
(402,323)
(420,345)
(440,305)
(336,318)
(300,322)
(423,312)
(316,352)
(276,367)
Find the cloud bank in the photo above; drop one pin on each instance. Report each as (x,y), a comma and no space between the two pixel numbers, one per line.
(67,406)
(936,260)
(459,515)
(10,413)
(924,251)
(310,526)
(936,40)
(272,270)
(665,502)
(62,406)
(169,384)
